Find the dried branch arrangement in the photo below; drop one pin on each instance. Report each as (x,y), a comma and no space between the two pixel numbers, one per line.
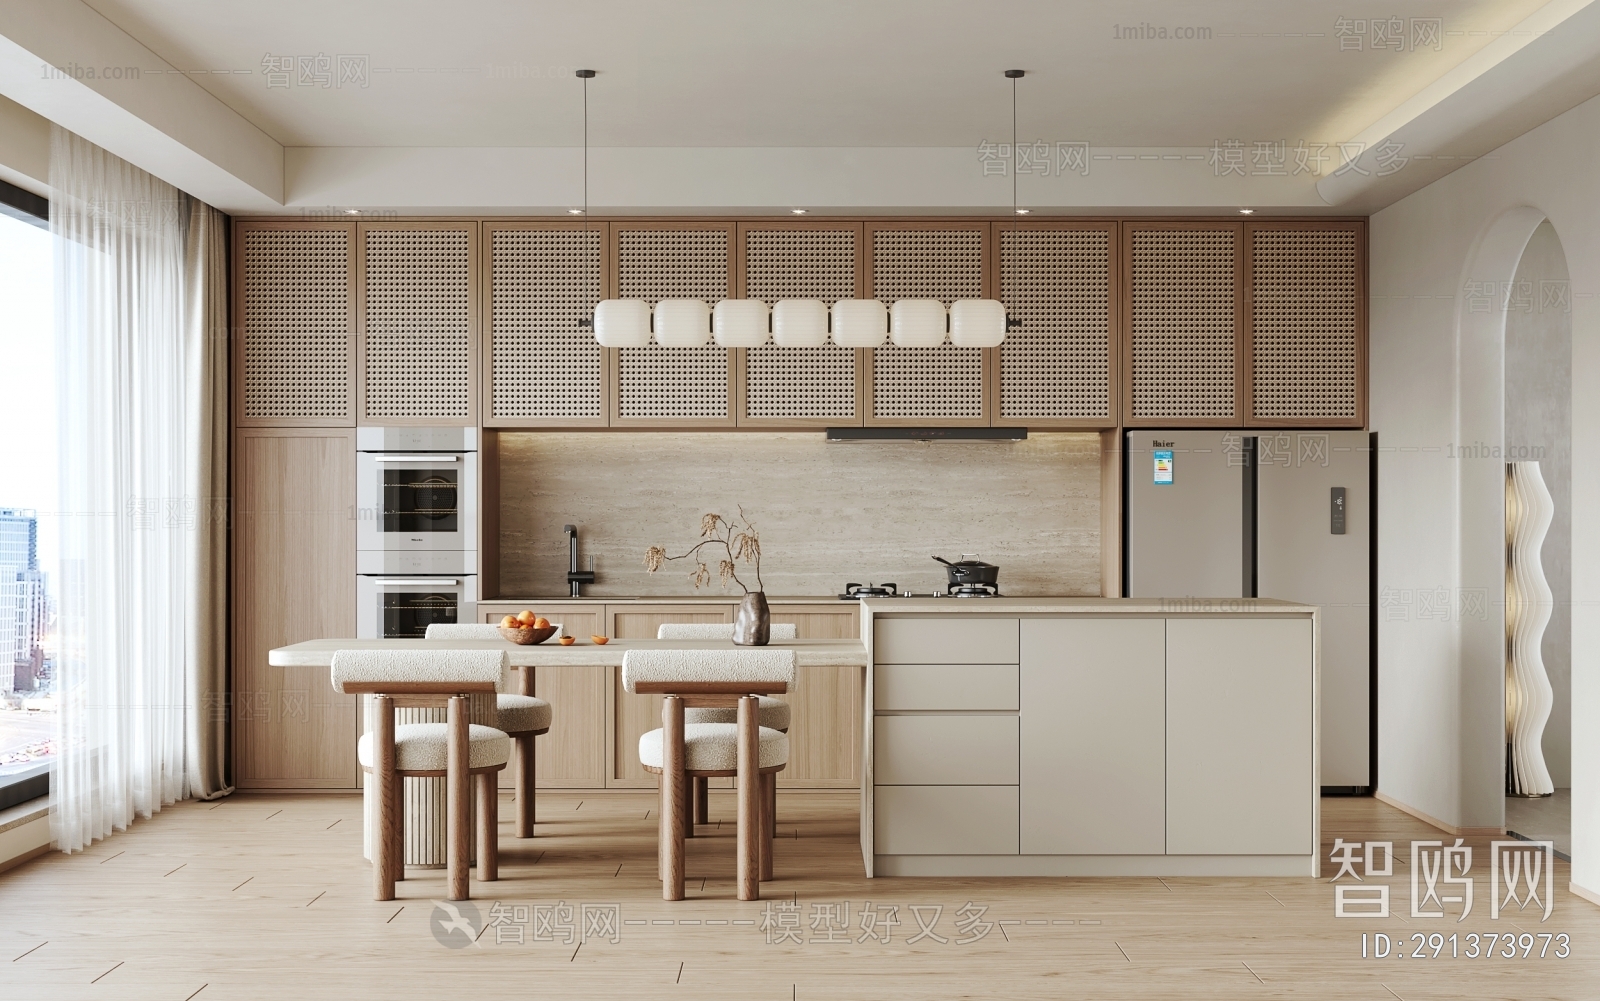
(739,542)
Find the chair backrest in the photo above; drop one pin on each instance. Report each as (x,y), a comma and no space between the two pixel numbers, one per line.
(746,665)
(470,631)
(714,631)
(369,670)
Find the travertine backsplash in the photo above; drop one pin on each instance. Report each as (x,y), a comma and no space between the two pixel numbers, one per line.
(828,513)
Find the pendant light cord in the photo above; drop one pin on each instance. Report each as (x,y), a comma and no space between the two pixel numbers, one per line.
(588,230)
(1013,149)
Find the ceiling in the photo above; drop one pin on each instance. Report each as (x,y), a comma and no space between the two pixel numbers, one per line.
(716,104)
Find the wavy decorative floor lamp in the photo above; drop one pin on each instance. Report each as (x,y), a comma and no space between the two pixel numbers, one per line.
(1529,509)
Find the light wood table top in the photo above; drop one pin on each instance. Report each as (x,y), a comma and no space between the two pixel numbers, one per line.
(808,653)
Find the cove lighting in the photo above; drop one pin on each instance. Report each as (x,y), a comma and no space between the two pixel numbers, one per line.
(797,211)
(1247,211)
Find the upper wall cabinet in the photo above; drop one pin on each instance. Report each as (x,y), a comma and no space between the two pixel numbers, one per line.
(294,312)
(418,322)
(543,366)
(800,387)
(1259,324)
(665,387)
(1308,323)
(944,261)
(1056,365)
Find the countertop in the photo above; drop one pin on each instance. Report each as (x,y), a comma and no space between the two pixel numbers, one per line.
(1088,606)
(808,653)
(663,599)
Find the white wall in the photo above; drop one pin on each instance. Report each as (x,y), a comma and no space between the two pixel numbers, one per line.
(1438,383)
(1539,428)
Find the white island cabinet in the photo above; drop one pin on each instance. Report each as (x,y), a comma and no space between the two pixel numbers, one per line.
(1082,737)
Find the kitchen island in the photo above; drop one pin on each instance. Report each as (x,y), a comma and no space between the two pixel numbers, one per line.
(1090,737)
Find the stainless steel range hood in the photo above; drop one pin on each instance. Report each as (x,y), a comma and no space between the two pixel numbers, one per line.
(926,434)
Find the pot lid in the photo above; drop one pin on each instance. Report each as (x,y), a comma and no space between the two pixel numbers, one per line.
(967,560)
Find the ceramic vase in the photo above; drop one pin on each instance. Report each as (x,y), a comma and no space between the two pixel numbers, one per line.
(752,626)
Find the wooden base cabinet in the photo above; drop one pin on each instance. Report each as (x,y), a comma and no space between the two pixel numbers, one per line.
(593,741)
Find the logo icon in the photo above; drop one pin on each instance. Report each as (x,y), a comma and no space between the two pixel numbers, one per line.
(455,924)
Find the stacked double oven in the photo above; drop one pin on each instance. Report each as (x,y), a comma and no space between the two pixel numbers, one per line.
(417,529)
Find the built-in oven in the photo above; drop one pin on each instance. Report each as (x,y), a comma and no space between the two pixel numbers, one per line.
(416,489)
(402,607)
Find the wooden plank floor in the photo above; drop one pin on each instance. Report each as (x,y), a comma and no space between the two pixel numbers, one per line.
(267,897)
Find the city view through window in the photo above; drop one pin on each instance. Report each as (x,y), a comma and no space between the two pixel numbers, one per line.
(28,492)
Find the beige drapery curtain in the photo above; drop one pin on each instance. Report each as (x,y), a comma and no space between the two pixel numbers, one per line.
(141,348)
(205,282)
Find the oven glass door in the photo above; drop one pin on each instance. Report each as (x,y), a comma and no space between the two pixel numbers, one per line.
(417,502)
(403,608)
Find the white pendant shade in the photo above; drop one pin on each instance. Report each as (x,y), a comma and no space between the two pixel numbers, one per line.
(739,323)
(859,323)
(917,323)
(800,323)
(622,323)
(977,323)
(683,323)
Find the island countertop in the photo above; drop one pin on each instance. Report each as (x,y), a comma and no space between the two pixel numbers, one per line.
(808,653)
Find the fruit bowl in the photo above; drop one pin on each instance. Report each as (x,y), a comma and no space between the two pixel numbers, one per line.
(528,635)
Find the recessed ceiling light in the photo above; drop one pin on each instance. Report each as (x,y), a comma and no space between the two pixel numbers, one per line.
(1247,211)
(574,211)
(1023,211)
(798,211)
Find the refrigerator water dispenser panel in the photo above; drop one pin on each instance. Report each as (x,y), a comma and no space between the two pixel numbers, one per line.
(1336,511)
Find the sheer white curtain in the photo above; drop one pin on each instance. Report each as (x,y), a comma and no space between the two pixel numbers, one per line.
(135,504)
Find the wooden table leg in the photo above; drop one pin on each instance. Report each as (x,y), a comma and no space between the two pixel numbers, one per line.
(749,825)
(768,782)
(672,804)
(458,779)
(488,826)
(702,800)
(688,804)
(399,855)
(383,779)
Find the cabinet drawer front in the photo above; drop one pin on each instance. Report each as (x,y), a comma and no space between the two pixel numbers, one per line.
(944,820)
(945,750)
(962,639)
(945,686)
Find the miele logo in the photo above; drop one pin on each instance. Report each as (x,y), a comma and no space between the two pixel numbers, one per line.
(1160,444)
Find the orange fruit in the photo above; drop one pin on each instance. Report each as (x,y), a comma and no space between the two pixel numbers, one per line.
(568,640)
(509,622)
(600,640)
(541,623)
(526,617)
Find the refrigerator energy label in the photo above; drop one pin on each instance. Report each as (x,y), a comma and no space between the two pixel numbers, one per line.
(1163,458)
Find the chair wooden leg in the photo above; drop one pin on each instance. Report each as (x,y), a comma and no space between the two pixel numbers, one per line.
(488,826)
(523,746)
(458,779)
(382,778)
(765,840)
(688,805)
(749,768)
(772,805)
(398,856)
(672,806)
(702,800)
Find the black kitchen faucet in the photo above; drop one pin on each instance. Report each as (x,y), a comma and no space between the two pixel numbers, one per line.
(576,578)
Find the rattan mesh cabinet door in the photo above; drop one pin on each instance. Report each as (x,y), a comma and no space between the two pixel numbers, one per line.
(294,307)
(418,322)
(1184,307)
(665,387)
(1055,367)
(1307,324)
(940,385)
(543,369)
(800,386)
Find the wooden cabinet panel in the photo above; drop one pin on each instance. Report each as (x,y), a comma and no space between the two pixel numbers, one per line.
(838,621)
(944,749)
(962,639)
(580,620)
(293,579)
(1094,737)
(944,820)
(1240,728)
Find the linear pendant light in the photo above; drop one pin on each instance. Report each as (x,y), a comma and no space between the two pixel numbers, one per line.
(617,323)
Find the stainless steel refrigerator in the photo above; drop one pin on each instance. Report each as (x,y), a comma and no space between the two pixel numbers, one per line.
(1241,513)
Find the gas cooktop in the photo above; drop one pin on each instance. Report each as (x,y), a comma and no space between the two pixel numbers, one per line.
(855,592)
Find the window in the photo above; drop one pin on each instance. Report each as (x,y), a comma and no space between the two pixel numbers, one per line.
(28,489)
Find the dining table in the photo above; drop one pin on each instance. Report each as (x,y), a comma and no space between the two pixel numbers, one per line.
(424,801)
